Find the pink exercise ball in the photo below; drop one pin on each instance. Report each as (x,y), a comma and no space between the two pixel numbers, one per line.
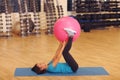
(66,22)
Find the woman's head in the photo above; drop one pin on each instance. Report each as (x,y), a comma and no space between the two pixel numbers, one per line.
(40,68)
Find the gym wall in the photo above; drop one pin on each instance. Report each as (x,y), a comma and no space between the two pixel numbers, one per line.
(16,19)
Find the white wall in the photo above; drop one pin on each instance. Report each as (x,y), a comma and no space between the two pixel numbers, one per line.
(42,13)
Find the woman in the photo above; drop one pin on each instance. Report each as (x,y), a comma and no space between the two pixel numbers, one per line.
(54,65)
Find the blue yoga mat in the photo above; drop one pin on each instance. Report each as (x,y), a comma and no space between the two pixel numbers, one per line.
(82,71)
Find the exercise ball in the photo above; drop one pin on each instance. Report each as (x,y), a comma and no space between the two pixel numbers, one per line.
(66,22)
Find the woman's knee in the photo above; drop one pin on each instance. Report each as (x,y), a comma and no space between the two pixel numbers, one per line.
(65,52)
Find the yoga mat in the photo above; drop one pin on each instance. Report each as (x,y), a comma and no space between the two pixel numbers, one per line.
(82,71)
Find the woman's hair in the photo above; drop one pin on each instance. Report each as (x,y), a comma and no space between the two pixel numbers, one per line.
(38,70)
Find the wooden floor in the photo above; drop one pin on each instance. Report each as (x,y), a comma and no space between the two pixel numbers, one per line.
(97,48)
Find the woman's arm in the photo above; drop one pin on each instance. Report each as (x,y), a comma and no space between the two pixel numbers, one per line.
(58,50)
(58,54)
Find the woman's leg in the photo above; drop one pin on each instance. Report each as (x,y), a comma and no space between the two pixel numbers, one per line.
(68,58)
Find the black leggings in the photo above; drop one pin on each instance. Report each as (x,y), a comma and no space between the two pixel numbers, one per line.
(68,58)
